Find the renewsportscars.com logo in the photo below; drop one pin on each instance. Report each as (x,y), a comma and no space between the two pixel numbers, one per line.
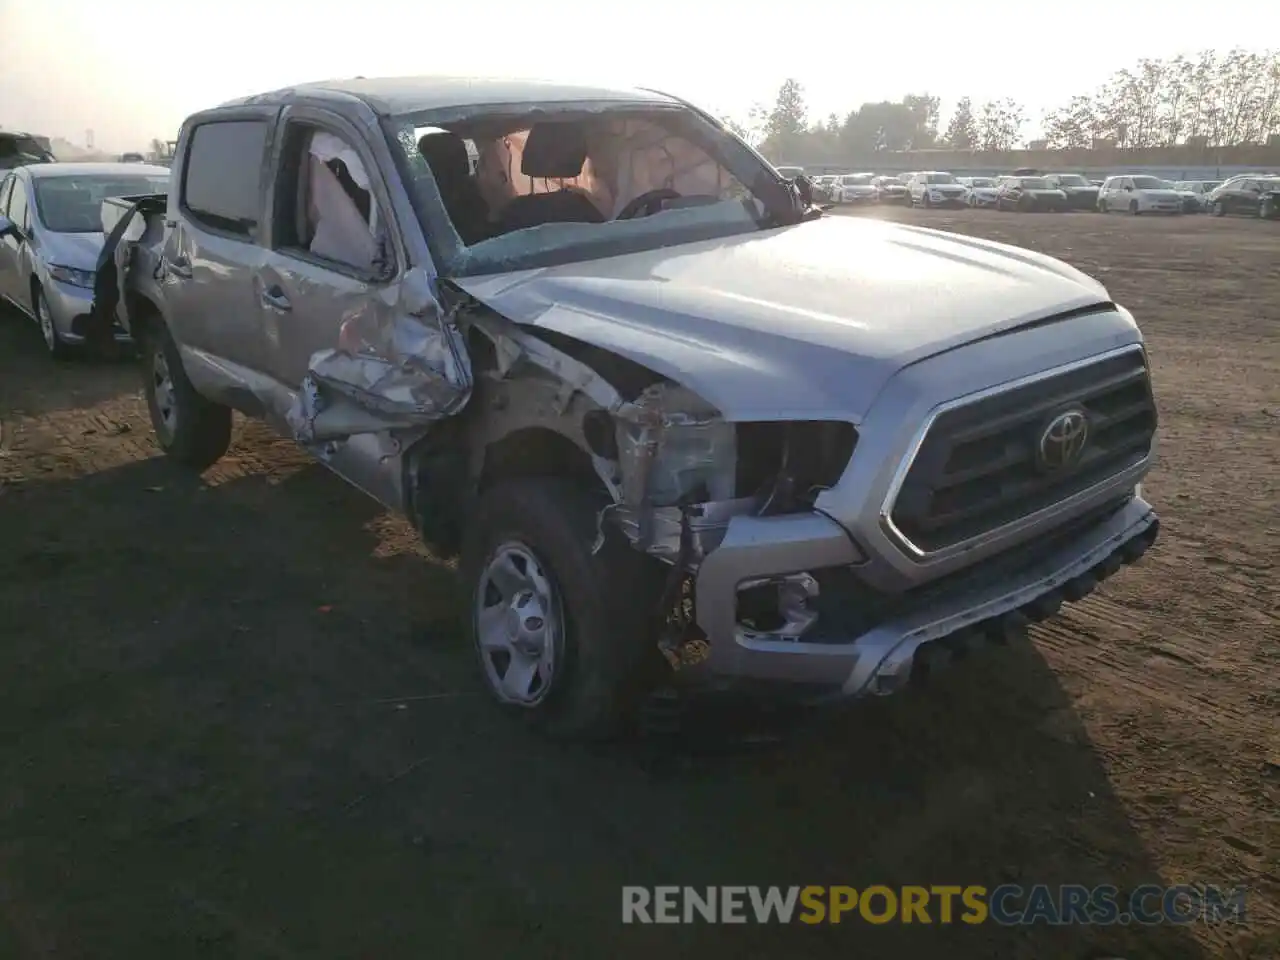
(1007,905)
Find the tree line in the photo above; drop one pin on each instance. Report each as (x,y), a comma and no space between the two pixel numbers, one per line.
(1215,99)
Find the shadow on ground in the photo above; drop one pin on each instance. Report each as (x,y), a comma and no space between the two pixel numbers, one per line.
(34,384)
(236,722)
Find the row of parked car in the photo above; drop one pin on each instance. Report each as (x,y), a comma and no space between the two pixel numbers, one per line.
(1027,190)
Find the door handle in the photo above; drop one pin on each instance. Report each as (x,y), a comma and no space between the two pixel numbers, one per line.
(180,267)
(274,299)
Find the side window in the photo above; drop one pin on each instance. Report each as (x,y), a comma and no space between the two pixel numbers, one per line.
(6,187)
(222,177)
(325,205)
(18,212)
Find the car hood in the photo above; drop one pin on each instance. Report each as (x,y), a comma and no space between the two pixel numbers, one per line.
(893,187)
(945,186)
(794,322)
(1079,189)
(1161,194)
(77,250)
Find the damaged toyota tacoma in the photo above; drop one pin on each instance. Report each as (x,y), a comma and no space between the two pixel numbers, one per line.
(680,426)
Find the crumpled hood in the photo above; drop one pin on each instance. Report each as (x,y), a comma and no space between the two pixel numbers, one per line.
(794,322)
(77,250)
(1161,194)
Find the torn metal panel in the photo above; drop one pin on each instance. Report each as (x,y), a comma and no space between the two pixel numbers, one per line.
(672,444)
(390,370)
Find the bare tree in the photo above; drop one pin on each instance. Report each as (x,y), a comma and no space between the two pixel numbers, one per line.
(1228,99)
(1000,124)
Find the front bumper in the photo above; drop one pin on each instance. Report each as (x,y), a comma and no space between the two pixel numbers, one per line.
(894,196)
(857,198)
(71,309)
(990,601)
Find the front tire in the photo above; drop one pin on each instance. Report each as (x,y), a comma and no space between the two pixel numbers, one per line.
(1133,207)
(563,636)
(56,347)
(1218,209)
(191,429)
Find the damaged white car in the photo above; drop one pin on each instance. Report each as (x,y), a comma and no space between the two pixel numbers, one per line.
(681,427)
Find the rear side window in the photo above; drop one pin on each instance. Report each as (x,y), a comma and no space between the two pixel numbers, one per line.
(6,187)
(222,178)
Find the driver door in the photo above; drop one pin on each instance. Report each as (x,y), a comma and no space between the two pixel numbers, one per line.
(339,308)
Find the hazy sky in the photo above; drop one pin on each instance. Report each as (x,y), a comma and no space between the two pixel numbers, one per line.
(131,70)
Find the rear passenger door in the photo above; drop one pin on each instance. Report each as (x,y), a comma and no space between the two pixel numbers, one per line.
(213,245)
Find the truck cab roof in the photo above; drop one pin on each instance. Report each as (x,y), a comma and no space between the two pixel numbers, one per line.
(390,96)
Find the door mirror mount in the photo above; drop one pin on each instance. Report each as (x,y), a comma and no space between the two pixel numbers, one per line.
(8,228)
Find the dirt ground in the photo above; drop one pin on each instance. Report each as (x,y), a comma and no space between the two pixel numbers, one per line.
(238,718)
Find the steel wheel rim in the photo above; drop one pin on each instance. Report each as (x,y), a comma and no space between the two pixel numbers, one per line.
(45,319)
(163,392)
(519,625)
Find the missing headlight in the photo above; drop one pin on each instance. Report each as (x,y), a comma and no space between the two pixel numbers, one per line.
(791,462)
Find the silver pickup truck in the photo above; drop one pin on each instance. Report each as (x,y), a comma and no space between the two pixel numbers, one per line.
(679,425)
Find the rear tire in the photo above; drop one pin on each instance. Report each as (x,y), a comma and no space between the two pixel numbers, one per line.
(592,646)
(191,429)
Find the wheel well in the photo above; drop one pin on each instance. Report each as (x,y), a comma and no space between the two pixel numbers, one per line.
(536,452)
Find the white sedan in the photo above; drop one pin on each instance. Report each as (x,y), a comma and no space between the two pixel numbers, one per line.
(980,191)
(1139,194)
(854,188)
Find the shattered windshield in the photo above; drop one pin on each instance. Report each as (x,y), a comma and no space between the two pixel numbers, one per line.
(982,182)
(498,191)
(1071,180)
(1151,183)
(939,178)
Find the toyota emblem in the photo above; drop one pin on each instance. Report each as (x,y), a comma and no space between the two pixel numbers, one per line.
(1063,440)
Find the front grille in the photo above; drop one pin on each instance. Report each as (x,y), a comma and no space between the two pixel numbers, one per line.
(976,469)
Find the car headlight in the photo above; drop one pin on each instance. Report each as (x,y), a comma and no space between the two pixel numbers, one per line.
(76,278)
